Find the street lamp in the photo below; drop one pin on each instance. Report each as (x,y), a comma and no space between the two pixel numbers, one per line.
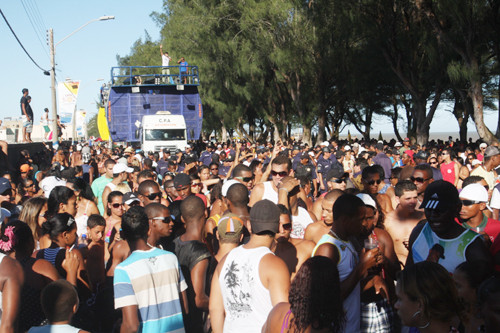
(52,48)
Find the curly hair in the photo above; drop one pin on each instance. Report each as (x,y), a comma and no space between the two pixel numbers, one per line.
(315,296)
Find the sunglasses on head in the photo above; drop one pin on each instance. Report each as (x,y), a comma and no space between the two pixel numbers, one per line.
(153,196)
(281,174)
(339,180)
(469,202)
(373,182)
(166,219)
(418,179)
(116,205)
(287,226)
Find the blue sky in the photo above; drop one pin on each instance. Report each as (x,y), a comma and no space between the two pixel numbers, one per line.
(89,54)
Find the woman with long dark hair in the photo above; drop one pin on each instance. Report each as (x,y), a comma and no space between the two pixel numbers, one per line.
(34,215)
(17,242)
(85,202)
(314,302)
(427,298)
(62,199)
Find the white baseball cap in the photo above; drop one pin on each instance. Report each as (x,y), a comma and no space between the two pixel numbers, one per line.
(120,167)
(367,200)
(475,192)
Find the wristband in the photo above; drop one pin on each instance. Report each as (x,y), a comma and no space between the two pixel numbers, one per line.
(283,189)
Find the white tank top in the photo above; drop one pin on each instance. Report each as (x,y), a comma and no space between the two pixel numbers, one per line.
(246,301)
(81,222)
(348,260)
(300,223)
(270,193)
(111,186)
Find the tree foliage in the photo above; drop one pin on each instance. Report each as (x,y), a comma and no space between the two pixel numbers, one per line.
(321,64)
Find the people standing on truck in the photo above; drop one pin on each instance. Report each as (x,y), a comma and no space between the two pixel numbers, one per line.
(165,61)
(45,122)
(183,69)
(27,115)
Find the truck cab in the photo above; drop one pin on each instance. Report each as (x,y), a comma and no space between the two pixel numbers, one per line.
(162,130)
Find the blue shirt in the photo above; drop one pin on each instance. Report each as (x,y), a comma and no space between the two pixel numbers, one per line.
(152,280)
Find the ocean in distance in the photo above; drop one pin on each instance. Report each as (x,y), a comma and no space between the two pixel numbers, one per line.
(432,135)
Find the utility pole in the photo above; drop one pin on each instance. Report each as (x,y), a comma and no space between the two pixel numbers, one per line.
(53,85)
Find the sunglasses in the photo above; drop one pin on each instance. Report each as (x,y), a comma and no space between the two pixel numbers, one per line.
(134,203)
(245,179)
(281,174)
(30,185)
(197,184)
(373,182)
(117,205)
(153,196)
(418,179)
(166,219)
(339,180)
(287,226)
(213,169)
(432,163)
(469,202)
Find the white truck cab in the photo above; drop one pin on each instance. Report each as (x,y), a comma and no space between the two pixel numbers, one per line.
(162,130)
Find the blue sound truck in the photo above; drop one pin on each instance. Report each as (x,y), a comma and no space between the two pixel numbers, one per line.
(154,107)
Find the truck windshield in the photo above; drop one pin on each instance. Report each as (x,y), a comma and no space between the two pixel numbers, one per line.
(164,134)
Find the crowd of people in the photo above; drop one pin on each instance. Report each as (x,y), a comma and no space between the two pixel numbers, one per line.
(359,236)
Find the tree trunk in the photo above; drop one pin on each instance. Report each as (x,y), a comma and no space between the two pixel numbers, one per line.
(306,135)
(321,127)
(223,132)
(476,94)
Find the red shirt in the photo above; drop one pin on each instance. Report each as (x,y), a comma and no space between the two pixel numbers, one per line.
(448,172)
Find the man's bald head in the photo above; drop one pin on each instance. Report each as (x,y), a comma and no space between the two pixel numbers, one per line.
(192,208)
(238,195)
(333,195)
(148,185)
(155,209)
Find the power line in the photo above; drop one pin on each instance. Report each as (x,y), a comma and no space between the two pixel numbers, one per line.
(21,44)
(38,15)
(31,18)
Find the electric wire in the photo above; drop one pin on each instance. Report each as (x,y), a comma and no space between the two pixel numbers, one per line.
(37,32)
(21,44)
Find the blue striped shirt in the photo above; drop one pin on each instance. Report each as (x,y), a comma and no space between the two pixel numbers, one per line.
(152,280)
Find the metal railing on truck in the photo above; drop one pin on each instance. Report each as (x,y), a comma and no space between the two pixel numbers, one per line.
(154,75)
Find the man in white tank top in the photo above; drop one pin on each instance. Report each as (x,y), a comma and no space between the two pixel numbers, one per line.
(250,279)
(120,174)
(280,168)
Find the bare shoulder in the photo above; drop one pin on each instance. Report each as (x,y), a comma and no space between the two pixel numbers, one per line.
(303,245)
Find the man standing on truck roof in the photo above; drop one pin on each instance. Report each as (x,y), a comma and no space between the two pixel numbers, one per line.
(183,69)
(165,61)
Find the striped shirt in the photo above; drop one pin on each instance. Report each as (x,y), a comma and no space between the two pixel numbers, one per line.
(152,280)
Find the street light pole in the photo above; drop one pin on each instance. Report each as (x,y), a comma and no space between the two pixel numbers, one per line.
(52,48)
(53,85)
